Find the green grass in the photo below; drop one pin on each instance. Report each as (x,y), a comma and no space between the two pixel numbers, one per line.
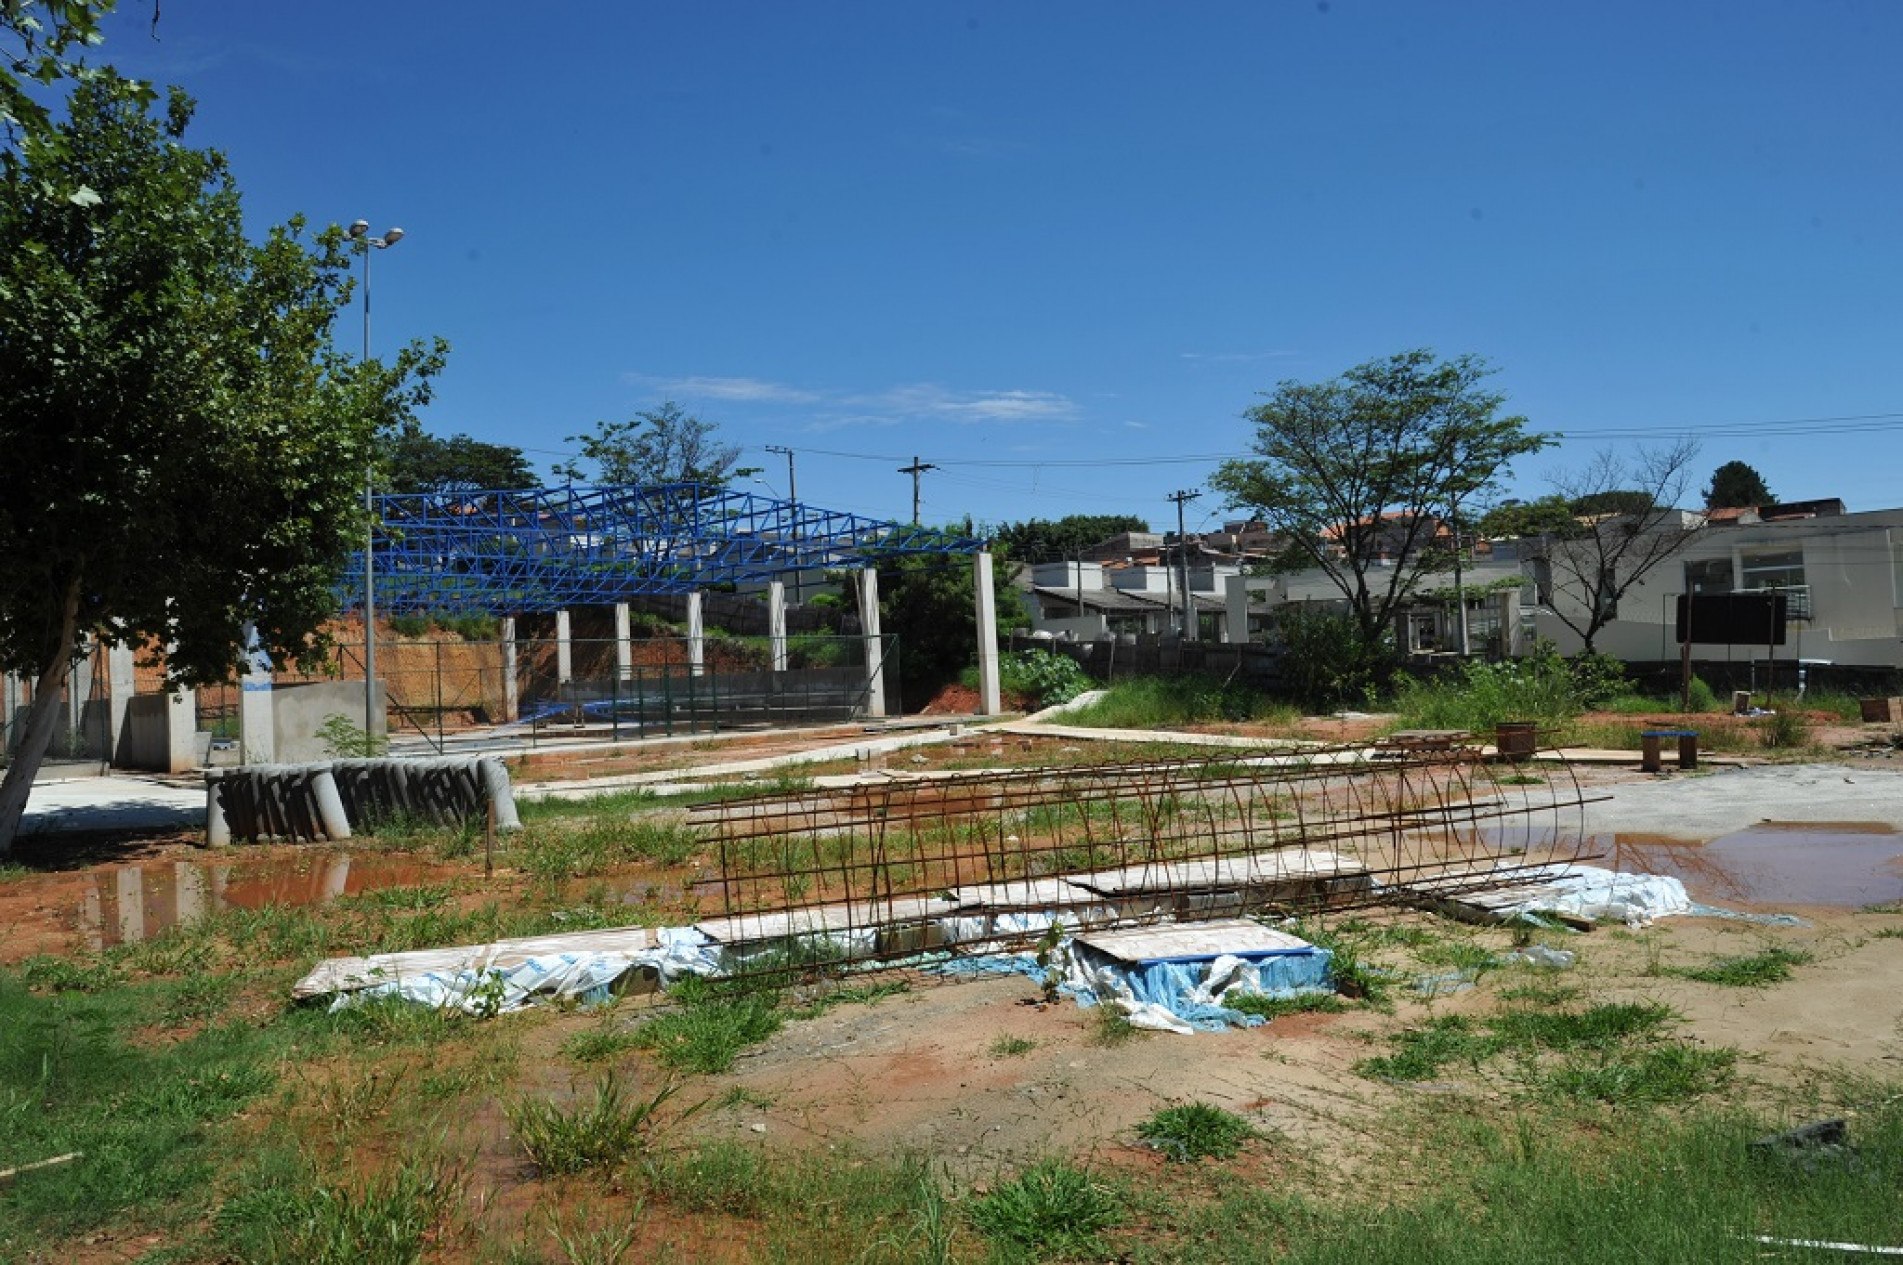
(1196,1131)
(1597,1026)
(604,1132)
(1109,1027)
(1010,1047)
(283,1216)
(1158,702)
(710,1029)
(1420,1054)
(1656,1075)
(1352,974)
(599,1044)
(1752,970)
(1051,1209)
(850,995)
(1276,1007)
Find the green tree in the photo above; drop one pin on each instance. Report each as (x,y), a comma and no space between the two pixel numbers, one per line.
(184,448)
(1360,473)
(1735,485)
(663,445)
(1058,540)
(35,39)
(416,461)
(1546,515)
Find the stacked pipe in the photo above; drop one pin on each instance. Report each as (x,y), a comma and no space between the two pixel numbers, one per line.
(329,800)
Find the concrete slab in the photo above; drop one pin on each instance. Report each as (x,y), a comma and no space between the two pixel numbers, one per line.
(1193,941)
(112,803)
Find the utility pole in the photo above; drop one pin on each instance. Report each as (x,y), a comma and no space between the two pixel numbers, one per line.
(915,470)
(793,496)
(1188,625)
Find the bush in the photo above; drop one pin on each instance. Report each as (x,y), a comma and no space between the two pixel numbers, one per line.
(1325,663)
(1047,676)
(1155,702)
(1050,1208)
(1782,729)
(1540,688)
(1194,1131)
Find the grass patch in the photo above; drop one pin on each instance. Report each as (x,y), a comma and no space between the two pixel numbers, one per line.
(1196,1131)
(1655,1075)
(284,1217)
(1597,1026)
(1051,1209)
(605,1132)
(599,1044)
(1010,1047)
(850,995)
(1751,970)
(1421,1053)
(1153,702)
(1351,974)
(710,1029)
(1276,1007)
(1110,1027)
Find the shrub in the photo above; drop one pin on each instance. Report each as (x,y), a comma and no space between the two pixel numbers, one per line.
(1782,729)
(1539,688)
(1325,663)
(1047,676)
(568,1140)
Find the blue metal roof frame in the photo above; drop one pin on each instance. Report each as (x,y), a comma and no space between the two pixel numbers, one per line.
(497,552)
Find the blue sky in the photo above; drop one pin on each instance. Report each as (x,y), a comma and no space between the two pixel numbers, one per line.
(1056,249)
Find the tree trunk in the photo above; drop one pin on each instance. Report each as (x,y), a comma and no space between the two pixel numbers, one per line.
(40,718)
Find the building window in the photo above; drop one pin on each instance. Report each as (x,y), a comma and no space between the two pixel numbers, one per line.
(1710,575)
(1777,571)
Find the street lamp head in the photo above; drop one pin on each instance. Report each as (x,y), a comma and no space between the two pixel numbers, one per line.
(358,228)
(392,236)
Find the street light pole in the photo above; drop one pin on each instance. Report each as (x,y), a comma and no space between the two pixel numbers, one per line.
(360,235)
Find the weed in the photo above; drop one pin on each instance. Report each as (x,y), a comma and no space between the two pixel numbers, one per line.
(1011,1047)
(1887,933)
(414,898)
(599,1044)
(858,994)
(741,1096)
(1351,975)
(1109,1026)
(709,1030)
(1460,955)
(1541,994)
(1158,702)
(1782,729)
(1195,1131)
(1276,1007)
(1421,1053)
(1668,1073)
(1049,1208)
(1754,970)
(606,1131)
(294,1221)
(1598,1026)
(602,1245)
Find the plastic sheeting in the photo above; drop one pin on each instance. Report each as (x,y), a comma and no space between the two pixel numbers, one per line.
(490,984)
(1587,891)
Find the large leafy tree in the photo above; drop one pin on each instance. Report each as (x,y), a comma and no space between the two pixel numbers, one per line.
(1736,485)
(1625,525)
(662,445)
(1360,474)
(417,461)
(37,38)
(184,449)
(1059,540)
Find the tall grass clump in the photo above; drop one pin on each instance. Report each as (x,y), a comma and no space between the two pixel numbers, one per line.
(1540,688)
(710,1029)
(610,1129)
(1051,1209)
(1159,702)
(290,1219)
(1783,729)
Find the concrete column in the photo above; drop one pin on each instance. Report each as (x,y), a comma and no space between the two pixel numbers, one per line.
(12,689)
(190,893)
(257,727)
(776,622)
(564,652)
(511,690)
(181,732)
(1236,596)
(624,643)
(119,687)
(79,687)
(696,636)
(990,700)
(875,645)
(1512,643)
(129,894)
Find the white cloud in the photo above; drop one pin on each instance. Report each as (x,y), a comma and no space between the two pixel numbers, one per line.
(926,399)
(745,390)
(1236,357)
(832,409)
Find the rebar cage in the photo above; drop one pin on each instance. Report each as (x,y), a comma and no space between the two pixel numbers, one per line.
(989,860)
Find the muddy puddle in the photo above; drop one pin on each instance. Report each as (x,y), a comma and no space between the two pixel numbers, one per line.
(1840,864)
(136,902)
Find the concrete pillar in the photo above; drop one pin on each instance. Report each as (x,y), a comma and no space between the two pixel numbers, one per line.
(181,732)
(119,688)
(1235,626)
(12,690)
(79,687)
(257,726)
(624,643)
(511,690)
(1512,642)
(190,893)
(564,652)
(129,896)
(990,699)
(776,622)
(875,645)
(696,636)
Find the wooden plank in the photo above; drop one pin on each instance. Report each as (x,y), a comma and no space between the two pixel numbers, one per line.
(1239,936)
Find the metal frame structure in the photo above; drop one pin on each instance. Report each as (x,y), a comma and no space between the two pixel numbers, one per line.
(543,549)
(878,873)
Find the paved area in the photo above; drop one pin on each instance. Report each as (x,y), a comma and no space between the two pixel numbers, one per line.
(112,803)
(1704,806)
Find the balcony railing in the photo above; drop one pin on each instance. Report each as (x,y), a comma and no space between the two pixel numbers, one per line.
(1797,598)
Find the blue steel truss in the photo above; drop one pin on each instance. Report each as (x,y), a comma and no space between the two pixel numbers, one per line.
(499,553)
